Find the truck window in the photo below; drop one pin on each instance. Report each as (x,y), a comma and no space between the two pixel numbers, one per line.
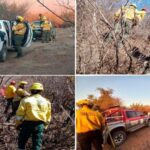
(117,116)
(6,27)
(7,31)
(139,113)
(131,114)
(37,24)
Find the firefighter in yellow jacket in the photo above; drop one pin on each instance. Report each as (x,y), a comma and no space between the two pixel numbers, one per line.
(125,17)
(141,14)
(9,95)
(19,95)
(46,27)
(33,115)
(19,31)
(89,126)
(41,18)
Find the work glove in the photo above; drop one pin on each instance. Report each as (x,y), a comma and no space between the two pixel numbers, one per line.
(18,127)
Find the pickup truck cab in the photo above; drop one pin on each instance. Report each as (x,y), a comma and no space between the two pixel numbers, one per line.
(6,40)
(121,121)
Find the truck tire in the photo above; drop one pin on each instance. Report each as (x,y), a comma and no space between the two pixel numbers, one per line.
(3,53)
(119,136)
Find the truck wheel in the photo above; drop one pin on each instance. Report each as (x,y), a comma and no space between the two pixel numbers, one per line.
(3,53)
(119,136)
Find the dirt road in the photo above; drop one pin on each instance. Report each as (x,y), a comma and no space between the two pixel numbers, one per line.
(138,140)
(44,59)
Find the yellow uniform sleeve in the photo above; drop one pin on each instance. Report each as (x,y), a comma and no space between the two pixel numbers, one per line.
(13,90)
(102,120)
(20,113)
(48,115)
(22,93)
(18,27)
(118,13)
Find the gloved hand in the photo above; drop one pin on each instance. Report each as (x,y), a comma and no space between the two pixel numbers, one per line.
(18,127)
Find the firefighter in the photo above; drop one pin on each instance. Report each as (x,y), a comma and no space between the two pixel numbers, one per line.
(52,32)
(41,18)
(19,31)
(140,15)
(33,26)
(46,27)
(2,92)
(143,13)
(89,126)
(33,115)
(125,18)
(9,95)
(20,94)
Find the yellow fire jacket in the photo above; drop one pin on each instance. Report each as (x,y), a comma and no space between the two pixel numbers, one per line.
(46,26)
(19,29)
(88,120)
(20,94)
(127,12)
(10,91)
(34,108)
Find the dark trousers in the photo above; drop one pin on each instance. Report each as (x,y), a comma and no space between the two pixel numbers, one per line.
(9,103)
(18,39)
(45,36)
(15,106)
(34,129)
(86,140)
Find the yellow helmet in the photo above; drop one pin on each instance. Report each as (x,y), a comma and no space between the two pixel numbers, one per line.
(23,82)
(37,86)
(20,18)
(83,102)
(44,18)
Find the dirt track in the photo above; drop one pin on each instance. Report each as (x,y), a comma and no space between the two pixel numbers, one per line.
(138,140)
(44,59)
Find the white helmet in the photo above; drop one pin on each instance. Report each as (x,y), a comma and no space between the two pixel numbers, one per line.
(133,4)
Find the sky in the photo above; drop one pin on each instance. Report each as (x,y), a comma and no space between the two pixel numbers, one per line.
(131,89)
(35,7)
(142,3)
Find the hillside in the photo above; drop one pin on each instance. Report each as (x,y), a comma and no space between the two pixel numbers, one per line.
(119,55)
(60,133)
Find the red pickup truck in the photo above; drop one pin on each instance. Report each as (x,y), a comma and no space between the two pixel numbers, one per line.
(121,121)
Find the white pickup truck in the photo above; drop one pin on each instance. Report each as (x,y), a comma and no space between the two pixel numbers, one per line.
(6,40)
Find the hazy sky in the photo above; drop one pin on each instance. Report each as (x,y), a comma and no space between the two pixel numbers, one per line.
(36,7)
(142,3)
(130,89)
